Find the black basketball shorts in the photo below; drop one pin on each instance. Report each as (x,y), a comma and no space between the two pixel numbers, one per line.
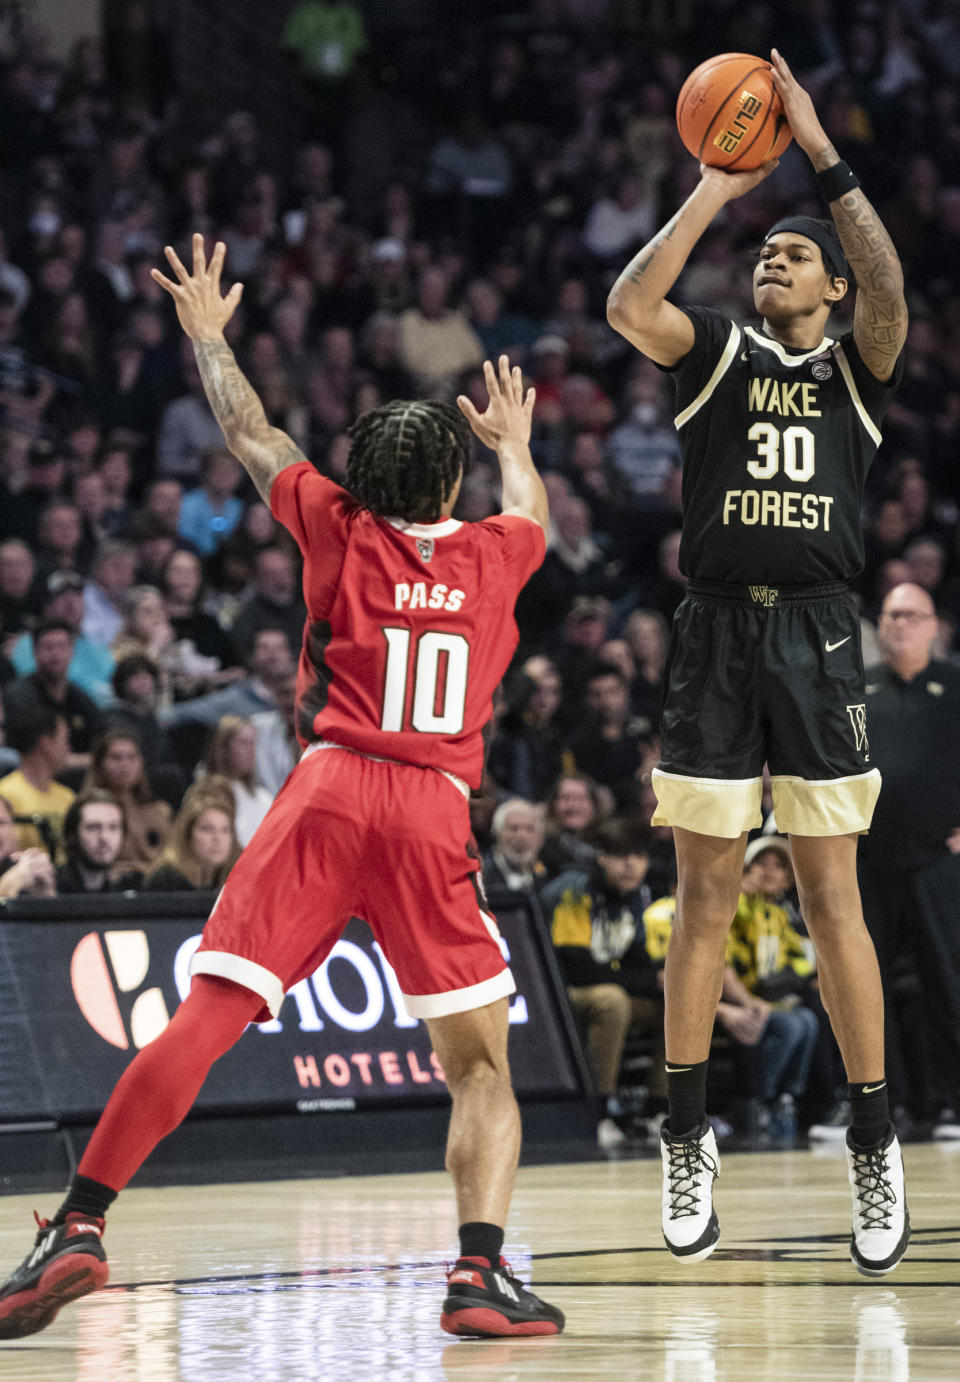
(758,675)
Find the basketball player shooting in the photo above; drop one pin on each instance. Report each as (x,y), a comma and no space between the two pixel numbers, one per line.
(779,423)
(410,629)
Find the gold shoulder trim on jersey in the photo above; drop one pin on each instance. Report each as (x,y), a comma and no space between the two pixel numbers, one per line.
(872,430)
(723,364)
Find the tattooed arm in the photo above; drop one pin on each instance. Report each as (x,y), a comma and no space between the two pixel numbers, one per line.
(637,305)
(262,450)
(880,311)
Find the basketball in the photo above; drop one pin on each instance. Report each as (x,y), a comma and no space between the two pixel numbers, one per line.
(729,115)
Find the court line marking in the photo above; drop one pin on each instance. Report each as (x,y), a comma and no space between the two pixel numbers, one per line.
(307,1276)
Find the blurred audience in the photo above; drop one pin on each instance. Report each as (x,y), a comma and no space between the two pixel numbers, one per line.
(203,844)
(232,754)
(513,859)
(117,767)
(23,872)
(596,923)
(49,685)
(93,834)
(453,206)
(910,861)
(42,739)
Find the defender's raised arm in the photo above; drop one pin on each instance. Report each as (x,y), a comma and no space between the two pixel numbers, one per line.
(505,428)
(203,311)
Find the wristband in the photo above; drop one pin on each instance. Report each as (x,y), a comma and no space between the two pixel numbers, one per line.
(836,180)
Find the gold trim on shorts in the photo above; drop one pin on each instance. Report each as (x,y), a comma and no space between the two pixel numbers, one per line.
(837,806)
(707,805)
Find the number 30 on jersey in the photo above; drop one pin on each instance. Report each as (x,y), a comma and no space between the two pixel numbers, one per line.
(794,446)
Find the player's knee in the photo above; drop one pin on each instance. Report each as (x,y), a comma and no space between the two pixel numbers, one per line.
(830,906)
(705,909)
(480,1079)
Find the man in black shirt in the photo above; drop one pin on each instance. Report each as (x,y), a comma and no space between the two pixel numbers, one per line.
(610,745)
(778,424)
(49,686)
(910,861)
(93,831)
(276,602)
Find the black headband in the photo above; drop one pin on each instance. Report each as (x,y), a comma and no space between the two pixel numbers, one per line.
(824,235)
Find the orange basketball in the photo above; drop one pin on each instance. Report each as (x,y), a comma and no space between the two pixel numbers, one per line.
(728,114)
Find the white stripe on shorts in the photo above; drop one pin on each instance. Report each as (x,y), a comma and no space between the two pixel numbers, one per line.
(461,1000)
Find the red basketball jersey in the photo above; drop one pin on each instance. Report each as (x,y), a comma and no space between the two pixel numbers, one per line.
(410,626)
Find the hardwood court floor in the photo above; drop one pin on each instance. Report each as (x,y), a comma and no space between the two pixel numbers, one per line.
(342,1279)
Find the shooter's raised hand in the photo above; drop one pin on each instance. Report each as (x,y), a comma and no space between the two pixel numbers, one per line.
(202,309)
(797,107)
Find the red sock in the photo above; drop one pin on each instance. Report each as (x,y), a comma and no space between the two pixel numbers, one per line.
(155,1092)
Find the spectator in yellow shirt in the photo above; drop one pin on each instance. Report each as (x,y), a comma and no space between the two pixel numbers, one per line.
(39,803)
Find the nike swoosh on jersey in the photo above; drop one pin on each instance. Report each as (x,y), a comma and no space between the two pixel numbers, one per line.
(831,646)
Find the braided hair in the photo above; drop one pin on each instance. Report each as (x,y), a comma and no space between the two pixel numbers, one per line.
(405,458)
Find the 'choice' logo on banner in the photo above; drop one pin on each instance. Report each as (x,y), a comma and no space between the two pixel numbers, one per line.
(343,1036)
(93,987)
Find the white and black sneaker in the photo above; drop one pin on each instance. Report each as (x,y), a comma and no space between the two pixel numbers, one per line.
(881,1222)
(690,1166)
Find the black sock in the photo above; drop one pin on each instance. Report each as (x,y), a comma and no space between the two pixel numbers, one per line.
(870,1107)
(85,1196)
(481,1240)
(686,1097)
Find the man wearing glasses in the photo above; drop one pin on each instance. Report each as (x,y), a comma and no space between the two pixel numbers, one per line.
(910,862)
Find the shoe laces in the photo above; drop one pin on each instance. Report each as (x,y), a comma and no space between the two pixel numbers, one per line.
(871,1171)
(688,1164)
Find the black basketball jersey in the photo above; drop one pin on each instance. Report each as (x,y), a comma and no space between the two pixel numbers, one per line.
(777,443)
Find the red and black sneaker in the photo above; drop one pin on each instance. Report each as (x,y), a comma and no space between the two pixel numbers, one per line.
(67,1262)
(490,1303)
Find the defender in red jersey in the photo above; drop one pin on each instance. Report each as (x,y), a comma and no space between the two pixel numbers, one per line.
(409,630)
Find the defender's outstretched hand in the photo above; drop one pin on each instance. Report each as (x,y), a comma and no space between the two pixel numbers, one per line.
(202,310)
(509,413)
(797,106)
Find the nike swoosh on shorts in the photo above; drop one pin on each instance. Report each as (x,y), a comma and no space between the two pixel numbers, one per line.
(830,646)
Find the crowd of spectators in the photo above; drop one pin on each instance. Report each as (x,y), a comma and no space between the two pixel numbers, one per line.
(425,215)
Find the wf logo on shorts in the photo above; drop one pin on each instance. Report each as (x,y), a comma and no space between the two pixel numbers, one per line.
(858,718)
(99,970)
(763,594)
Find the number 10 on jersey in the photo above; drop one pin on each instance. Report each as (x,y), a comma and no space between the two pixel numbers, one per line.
(439,670)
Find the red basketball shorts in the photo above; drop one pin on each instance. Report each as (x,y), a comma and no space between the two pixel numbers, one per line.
(350,835)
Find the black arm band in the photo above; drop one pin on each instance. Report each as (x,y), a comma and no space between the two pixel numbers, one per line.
(835,181)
